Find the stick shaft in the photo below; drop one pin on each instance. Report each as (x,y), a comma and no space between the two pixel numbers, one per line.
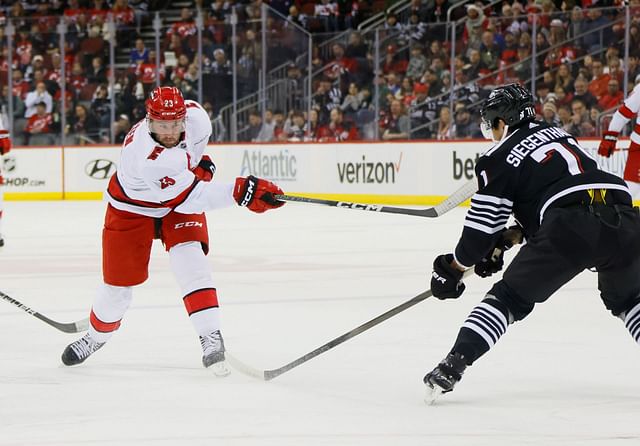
(67,327)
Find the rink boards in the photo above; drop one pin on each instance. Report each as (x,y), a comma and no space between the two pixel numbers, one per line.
(386,173)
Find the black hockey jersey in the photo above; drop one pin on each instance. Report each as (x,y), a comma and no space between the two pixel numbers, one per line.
(534,168)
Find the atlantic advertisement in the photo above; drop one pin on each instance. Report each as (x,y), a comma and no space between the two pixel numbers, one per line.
(380,172)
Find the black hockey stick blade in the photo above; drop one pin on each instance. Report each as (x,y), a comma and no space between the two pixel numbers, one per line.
(452,201)
(268,375)
(67,327)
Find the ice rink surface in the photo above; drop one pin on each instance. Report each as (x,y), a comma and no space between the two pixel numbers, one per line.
(289,281)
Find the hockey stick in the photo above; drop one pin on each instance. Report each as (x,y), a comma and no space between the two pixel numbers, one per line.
(67,327)
(268,375)
(452,201)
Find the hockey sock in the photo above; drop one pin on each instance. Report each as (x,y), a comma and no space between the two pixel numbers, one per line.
(486,323)
(191,269)
(632,322)
(108,309)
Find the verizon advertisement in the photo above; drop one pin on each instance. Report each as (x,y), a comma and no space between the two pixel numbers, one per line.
(383,173)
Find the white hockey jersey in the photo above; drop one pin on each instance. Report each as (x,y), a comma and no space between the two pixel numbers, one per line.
(627,111)
(152,180)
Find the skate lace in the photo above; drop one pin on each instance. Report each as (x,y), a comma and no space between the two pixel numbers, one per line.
(85,346)
(212,342)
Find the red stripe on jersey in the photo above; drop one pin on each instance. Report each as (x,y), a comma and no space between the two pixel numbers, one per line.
(117,192)
(103,327)
(626,111)
(201,300)
(636,128)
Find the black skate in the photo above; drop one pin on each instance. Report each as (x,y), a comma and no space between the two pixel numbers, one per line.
(444,377)
(78,351)
(213,353)
(1,241)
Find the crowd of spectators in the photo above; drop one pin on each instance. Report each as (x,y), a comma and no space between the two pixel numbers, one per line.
(579,65)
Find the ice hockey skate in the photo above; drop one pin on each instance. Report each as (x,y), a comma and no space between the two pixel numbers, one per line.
(444,377)
(77,352)
(213,353)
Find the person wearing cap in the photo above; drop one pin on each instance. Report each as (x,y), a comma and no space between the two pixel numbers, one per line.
(549,114)
(476,20)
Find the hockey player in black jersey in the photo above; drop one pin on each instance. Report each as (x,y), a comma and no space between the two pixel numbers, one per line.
(572,215)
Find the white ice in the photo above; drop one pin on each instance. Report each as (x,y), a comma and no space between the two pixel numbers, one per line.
(289,281)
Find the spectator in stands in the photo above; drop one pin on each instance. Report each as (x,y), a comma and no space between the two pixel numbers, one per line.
(268,127)
(20,86)
(549,114)
(522,69)
(600,35)
(580,120)
(185,26)
(255,125)
(476,66)
(600,80)
(417,62)
(406,93)
(97,74)
(352,101)
(577,27)
(340,67)
(139,54)
(562,97)
(613,97)
(356,48)
(422,111)
(465,127)
(82,126)
(338,129)
(120,128)
(414,31)
(312,126)
(475,24)
(564,115)
(436,19)
(395,124)
(489,51)
(298,128)
(101,106)
(37,64)
(18,104)
(582,93)
(297,18)
(220,64)
(177,45)
(445,125)
(221,9)
(634,66)
(38,96)
(509,53)
(613,69)
(40,126)
(327,11)
(326,98)
(278,128)
(564,78)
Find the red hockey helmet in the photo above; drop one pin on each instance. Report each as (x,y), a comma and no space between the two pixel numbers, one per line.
(166,104)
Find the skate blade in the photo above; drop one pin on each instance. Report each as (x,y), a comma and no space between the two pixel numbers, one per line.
(220,369)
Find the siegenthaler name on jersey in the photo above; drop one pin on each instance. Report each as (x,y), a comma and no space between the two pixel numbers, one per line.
(532,142)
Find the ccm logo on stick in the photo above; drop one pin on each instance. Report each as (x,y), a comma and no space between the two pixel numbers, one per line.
(188,224)
(366,207)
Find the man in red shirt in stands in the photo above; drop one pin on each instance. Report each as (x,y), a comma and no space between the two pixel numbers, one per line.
(600,80)
(338,129)
(613,97)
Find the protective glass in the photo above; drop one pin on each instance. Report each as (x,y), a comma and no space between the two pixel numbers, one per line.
(172,127)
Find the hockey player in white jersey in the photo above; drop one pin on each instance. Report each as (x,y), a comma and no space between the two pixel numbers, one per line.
(5,146)
(626,112)
(160,191)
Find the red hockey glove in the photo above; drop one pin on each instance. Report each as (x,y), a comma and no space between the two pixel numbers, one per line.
(5,142)
(205,169)
(256,194)
(608,144)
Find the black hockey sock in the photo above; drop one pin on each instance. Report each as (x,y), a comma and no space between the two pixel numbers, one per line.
(482,329)
(632,321)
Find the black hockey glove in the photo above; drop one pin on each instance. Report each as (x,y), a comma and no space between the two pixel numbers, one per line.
(446,280)
(495,261)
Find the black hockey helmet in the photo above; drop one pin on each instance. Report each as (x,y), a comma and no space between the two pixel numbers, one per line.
(512,103)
